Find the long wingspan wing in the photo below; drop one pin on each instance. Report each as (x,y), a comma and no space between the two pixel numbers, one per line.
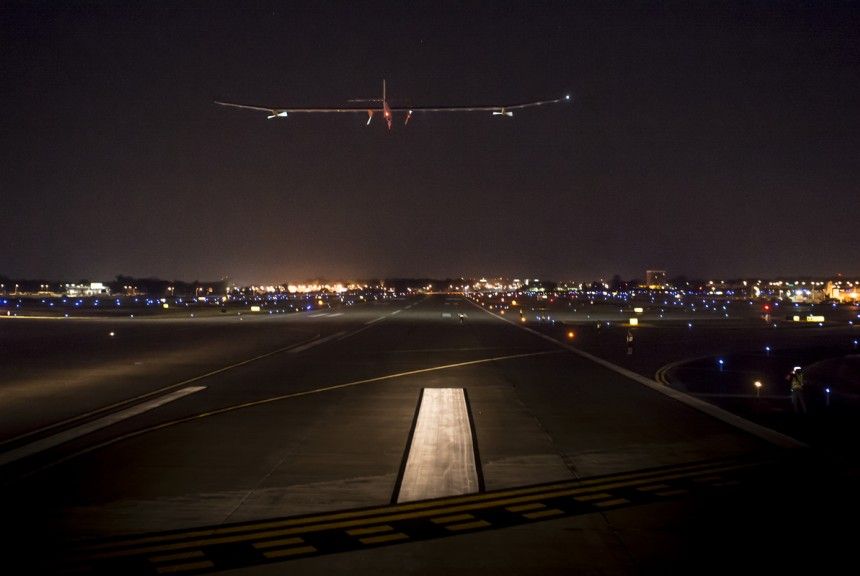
(275,111)
(487,108)
(499,108)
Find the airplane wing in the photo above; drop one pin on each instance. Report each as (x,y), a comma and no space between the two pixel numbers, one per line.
(497,108)
(275,112)
(282,112)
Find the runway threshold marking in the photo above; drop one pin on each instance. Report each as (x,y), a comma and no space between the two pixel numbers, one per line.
(78,431)
(394,524)
(440,460)
(767,434)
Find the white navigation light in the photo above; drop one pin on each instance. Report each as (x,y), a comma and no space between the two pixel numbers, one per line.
(567,96)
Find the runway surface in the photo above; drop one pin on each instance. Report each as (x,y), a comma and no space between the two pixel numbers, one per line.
(270,445)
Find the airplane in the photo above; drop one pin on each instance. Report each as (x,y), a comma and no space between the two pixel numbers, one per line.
(388,112)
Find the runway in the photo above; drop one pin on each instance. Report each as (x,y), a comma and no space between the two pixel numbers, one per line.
(307,419)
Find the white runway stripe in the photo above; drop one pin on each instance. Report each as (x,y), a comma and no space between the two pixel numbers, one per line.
(78,431)
(441,460)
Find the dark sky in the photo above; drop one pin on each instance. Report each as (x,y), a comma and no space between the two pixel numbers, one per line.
(706,139)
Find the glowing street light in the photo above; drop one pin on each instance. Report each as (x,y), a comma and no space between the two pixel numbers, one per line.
(757,385)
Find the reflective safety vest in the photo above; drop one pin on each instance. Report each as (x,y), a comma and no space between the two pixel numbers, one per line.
(796,382)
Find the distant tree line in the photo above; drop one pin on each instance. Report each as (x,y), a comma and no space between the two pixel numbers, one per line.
(158,287)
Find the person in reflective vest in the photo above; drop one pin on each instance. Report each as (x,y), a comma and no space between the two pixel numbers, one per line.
(795,378)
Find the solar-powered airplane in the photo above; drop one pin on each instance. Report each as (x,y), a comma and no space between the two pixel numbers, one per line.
(382,106)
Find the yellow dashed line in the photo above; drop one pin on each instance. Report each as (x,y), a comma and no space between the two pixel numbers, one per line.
(524,507)
(185,567)
(543,513)
(385,538)
(590,497)
(454,518)
(178,556)
(289,552)
(487,498)
(614,502)
(468,525)
(371,530)
(276,543)
(584,491)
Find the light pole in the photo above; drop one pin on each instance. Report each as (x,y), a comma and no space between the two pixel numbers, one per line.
(757,385)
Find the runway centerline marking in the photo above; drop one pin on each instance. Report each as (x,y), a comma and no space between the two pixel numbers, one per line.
(103,422)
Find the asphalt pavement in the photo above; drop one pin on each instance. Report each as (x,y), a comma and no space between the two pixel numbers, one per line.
(277,445)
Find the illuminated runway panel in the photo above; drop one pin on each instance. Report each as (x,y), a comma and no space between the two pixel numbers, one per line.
(441,458)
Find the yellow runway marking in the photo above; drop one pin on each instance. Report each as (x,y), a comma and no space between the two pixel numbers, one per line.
(590,497)
(614,502)
(385,538)
(524,507)
(264,401)
(583,491)
(468,525)
(371,530)
(454,518)
(397,513)
(184,567)
(179,556)
(543,513)
(490,498)
(276,543)
(289,552)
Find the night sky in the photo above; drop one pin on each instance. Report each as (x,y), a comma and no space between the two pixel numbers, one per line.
(706,139)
